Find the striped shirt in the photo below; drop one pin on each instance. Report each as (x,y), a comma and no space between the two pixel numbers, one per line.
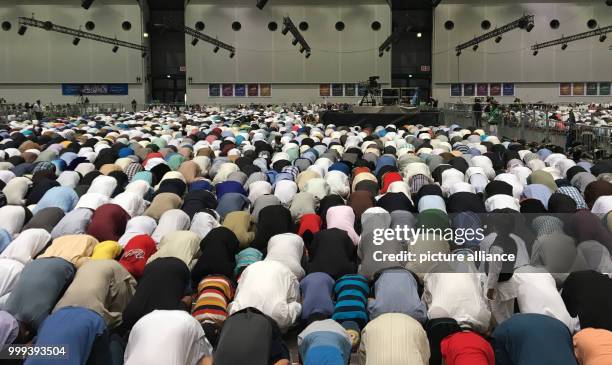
(214,295)
(351,292)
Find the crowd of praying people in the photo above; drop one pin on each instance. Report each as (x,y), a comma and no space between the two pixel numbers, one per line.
(228,237)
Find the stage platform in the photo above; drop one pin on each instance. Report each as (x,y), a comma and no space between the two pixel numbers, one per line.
(383,115)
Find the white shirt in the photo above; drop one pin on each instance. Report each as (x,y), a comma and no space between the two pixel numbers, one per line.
(458,296)
(537,293)
(270,287)
(169,337)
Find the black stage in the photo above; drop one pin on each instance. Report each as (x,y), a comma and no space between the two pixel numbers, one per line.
(376,116)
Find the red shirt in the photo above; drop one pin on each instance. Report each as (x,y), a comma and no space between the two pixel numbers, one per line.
(466,348)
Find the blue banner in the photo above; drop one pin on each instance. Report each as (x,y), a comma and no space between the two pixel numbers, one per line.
(94,89)
(240,90)
(508,89)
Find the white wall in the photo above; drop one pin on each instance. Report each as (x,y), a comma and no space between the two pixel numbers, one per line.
(263,56)
(537,78)
(35,65)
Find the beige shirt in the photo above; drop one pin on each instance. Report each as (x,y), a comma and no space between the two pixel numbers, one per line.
(394,339)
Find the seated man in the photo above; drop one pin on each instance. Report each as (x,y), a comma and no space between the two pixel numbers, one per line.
(251,337)
(317,296)
(351,293)
(171,337)
(324,343)
(533,339)
(394,339)
(588,295)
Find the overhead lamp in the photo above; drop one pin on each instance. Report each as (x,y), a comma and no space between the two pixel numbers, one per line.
(498,39)
(115,49)
(76,41)
(194,41)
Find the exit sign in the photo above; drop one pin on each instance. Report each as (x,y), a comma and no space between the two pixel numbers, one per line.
(425,68)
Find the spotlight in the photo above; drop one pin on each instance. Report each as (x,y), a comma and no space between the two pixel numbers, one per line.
(216,49)
(530,26)
(535,53)
(475,47)
(458,53)
(294,42)
(419,35)
(144,54)
(194,41)
(261,4)
(603,38)
(232,55)
(22,30)
(564,47)
(168,76)
(498,39)
(410,76)
(302,49)
(47,25)
(307,54)
(115,49)
(381,54)
(388,49)
(86,4)
(145,35)
(285,30)
(76,41)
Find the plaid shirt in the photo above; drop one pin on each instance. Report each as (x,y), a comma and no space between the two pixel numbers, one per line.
(573,193)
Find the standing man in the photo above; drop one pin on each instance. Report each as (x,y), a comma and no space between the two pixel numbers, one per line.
(477,110)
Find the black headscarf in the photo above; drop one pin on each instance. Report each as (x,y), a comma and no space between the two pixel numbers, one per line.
(219,249)
(175,186)
(498,187)
(561,203)
(250,337)
(272,220)
(197,201)
(395,201)
(429,189)
(533,206)
(39,189)
(588,295)
(368,185)
(332,252)
(163,284)
(464,201)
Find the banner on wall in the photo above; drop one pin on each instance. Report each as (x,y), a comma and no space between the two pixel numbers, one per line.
(456,90)
(337,90)
(508,89)
(253,89)
(350,89)
(228,90)
(495,89)
(214,90)
(265,90)
(565,89)
(591,88)
(578,89)
(240,90)
(325,90)
(469,89)
(94,89)
(482,89)
(361,90)
(604,88)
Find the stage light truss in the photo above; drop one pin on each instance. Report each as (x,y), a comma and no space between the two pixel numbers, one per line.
(576,37)
(49,26)
(206,38)
(289,27)
(526,22)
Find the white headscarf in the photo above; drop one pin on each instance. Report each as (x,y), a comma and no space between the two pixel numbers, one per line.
(69,178)
(449,178)
(136,226)
(172,220)
(502,201)
(317,187)
(287,248)
(202,223)
(602,206)
(28,244)
(132,203)
(285,190)
(92,201)
(139,187)
(259,188)
(342,217)
(16,190)
(338,183)
(104,185)
(12,218)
